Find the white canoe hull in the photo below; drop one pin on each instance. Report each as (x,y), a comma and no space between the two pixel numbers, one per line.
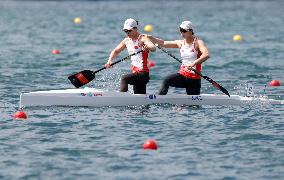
(99,98)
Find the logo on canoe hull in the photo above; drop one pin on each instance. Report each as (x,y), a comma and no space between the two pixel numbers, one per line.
(90,94)
(98,94)
(196,98)
(150,96)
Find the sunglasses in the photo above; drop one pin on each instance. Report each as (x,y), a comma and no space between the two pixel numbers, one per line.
(183,30)
(127,31)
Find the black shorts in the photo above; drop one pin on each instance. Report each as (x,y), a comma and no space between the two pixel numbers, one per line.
(138,80)
(192,86)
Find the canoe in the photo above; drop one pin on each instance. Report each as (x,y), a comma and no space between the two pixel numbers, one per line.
(99,98)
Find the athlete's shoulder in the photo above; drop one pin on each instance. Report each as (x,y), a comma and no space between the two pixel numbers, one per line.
(179,42)
(198,39)
(125,40)
(200,44)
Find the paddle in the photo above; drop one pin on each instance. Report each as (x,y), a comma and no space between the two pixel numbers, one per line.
(83,77)
(214,83)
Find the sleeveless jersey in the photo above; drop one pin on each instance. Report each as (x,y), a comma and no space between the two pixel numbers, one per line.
(189,54)
(138,61)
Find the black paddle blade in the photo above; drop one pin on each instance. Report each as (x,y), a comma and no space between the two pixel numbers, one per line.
(81,78)
(218,86)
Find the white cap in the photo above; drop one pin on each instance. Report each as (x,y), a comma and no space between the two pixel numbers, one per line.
(187,25)
(130,24)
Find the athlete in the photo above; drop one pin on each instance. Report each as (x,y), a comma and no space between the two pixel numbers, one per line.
(134,42)
(193,52)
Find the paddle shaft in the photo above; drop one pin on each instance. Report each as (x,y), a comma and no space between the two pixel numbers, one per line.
(123,59)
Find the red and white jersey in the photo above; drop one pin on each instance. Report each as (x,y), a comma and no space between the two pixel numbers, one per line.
(139,61)
(189,54)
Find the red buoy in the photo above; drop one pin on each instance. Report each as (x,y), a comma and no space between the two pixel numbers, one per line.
(151,64)
(150,144)
(55,51)
(274,83)
(20,115)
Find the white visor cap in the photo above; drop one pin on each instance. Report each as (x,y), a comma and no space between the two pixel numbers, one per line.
(130,24)
(187,25)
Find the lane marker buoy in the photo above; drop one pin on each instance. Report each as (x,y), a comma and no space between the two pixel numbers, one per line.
(77,20)
(148,28)
(237,38)
(274,82)
(150,144)
(56,51)
(19,115)
(151,63)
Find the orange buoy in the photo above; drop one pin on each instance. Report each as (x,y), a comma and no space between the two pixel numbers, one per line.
(20,115)
(274,82)
(150,144)
(55,51)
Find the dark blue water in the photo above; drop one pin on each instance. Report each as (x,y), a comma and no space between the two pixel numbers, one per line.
(106,143)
